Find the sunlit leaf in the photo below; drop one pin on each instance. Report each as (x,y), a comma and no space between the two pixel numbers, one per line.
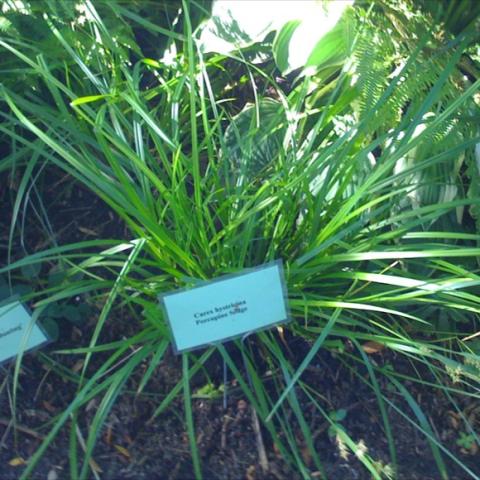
(88,99)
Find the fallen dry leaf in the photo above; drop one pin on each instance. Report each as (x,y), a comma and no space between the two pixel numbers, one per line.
(78,366)
(250,474)
(95,466)
(17,462)
(306,455)
(123,451)
(453,419)
(88,231)
(242,405)
(49,407)
(372,347)
(108,435)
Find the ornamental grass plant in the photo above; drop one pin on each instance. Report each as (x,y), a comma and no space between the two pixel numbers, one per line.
(354,176)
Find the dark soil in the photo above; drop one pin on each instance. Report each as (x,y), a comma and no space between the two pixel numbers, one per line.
(132,445)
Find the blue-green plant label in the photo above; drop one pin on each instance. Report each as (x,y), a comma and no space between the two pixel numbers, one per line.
(17,331)
(227,307)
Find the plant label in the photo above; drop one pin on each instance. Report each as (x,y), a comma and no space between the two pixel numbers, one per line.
(17,331)
(227,307)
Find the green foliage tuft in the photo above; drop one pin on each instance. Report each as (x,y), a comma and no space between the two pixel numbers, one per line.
(353,176)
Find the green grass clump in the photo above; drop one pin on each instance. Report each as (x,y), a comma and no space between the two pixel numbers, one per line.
(349,192)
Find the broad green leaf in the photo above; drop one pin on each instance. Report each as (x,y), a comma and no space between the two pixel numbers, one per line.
(332,49)
(281,45)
